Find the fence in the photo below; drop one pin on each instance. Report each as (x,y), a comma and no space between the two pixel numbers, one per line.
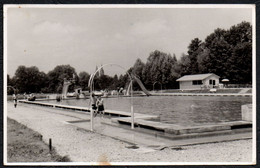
(238,86)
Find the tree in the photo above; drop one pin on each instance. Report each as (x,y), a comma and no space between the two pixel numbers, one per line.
(239,33)
(123,80)
(193,51)
(194,46)
(58,74)
(240,64)
(10,85)
(137,69)
(10,81)
(115,82)
(159,68)
(219,53)
(103,82)
(29,79)
(229,53)
(203,59)
(184,65)
(240,61)
(83,80)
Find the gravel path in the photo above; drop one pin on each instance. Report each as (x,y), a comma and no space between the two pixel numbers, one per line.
(84,146)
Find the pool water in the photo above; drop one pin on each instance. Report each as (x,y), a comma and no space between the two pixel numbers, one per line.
(182,110)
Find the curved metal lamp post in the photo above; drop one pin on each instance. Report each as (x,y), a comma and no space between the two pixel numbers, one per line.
(91,85)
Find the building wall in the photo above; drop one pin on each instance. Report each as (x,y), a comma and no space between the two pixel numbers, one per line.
(212,77)
(185,85)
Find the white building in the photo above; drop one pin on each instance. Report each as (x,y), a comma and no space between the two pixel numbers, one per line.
(198,81)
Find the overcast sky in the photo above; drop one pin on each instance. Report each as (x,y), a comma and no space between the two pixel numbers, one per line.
(86,37)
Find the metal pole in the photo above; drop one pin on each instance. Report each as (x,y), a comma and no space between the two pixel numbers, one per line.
(132,108)
(91,119)
(91,85)
(154,84)
(91,110)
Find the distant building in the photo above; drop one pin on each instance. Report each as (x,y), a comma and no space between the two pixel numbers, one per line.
(198,81)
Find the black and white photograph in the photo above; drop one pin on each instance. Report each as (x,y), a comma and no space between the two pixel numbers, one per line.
(129,84)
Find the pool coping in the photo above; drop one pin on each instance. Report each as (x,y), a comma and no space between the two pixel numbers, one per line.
(181,130)
(166,94)
(203,94)
(86,109)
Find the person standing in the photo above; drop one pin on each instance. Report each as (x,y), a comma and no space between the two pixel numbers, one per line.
(100,106)
(15,100)
(93,103)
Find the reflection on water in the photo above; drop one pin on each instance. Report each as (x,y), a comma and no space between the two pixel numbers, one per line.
(182,110)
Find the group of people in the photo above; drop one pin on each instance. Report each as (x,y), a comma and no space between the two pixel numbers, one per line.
(118,91)
(97,104)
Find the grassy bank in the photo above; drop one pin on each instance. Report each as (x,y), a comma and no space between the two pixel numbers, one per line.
(26,145)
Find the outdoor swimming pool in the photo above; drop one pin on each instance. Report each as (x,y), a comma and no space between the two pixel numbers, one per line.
(182,110)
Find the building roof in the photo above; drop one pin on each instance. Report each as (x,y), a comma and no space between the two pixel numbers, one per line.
(195,77)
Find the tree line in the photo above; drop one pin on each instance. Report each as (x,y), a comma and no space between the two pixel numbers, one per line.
(227,53)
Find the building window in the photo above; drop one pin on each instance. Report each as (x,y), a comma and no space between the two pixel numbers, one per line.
(212,82)
(197,82)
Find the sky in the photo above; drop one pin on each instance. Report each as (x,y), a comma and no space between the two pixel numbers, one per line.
(88,37)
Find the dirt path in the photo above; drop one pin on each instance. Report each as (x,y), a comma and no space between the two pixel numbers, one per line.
(85,146)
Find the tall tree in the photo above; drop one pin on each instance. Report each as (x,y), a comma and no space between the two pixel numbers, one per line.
(10,85)
(103,82)
(239,33)
(138,69)
(203,59)
(184,65)
(159,68)
(193,51)
(29,79)
(115,82)
(58,74)
(83,80)
(240,64)
(240,61)
(230,53)
(219,52)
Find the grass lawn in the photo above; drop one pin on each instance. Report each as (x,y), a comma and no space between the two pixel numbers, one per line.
(26,145)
